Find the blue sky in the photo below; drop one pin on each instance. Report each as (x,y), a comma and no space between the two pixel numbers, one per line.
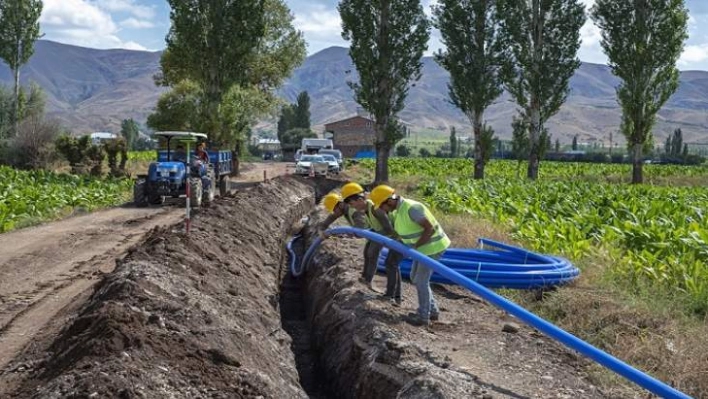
(142,25)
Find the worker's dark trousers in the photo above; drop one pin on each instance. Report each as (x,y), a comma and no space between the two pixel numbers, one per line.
(393,271)
(371,257)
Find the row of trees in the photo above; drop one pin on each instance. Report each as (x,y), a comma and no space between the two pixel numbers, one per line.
(26,137)
(528,48)
(294,123)
(222,64)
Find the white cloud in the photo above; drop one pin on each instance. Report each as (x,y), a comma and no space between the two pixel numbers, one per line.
(319,20)
(129,6)
(81,23)
(694,54)
(321,26)
(130,45)
(134,23)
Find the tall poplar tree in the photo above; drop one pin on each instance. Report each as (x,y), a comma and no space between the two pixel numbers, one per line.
(643,40)
(302,111)
(19,30)
(212,42)
(542,38)
(474,56)
(388,39)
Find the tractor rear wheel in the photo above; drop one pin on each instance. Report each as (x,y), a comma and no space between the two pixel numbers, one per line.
(223,185)
(195,192)
(139,195)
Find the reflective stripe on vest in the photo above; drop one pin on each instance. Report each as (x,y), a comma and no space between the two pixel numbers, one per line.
(371,220)
(410,231)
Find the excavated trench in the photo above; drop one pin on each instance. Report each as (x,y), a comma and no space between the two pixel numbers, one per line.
(294,319)
(215,314)
(346,349)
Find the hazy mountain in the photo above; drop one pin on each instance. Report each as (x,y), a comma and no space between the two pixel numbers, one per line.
(591,110)
(93,90)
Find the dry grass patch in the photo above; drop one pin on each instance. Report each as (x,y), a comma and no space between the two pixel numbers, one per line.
(657,341)
(465,230)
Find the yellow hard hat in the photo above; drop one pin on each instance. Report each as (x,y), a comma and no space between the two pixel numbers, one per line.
(380,194)
(350,189)
(330,201)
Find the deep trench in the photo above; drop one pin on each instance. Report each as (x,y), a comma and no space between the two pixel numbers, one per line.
(294,319)
(293,311)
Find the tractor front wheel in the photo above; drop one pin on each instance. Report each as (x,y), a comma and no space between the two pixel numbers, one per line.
(139,195)
(195,192)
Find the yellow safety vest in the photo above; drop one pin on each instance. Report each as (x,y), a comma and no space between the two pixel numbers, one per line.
(349,215)
(371,220)
(410,231)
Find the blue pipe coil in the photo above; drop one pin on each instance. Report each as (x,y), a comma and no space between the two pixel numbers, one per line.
(571,341)
(505,267)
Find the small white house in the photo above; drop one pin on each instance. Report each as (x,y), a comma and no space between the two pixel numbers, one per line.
(99,137)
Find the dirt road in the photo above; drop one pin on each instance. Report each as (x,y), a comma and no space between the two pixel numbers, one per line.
(45,268)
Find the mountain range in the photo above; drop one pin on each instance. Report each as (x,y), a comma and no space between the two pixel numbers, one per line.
(94,90)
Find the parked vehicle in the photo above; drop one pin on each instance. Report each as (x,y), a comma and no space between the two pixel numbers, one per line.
(336,153)
(169,176)
(332,162)
(316,163)
(312,146)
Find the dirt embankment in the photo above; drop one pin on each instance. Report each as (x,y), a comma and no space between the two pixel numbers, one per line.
(183,316)
(368,350)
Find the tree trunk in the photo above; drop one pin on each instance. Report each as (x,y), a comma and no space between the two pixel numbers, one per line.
(235,161)
(383,148)
(535,103)
(534,140)
(637,175)
(479,154)
(382,153)
(16,110)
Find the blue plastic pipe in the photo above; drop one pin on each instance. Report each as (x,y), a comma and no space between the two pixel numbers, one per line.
(293,258)
(638,377)
(504,266)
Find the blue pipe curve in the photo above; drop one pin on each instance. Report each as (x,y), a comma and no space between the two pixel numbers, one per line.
(293,257)
(625,370)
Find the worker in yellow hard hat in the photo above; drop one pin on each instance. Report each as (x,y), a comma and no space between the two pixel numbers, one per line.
(417,228)
(378,221)
(337,208)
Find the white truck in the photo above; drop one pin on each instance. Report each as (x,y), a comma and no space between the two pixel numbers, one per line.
(312,146)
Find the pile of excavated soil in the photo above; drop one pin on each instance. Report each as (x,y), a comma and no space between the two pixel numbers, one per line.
(368,350)
(185,316)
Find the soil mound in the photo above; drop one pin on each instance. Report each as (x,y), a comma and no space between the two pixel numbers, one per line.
(186,316)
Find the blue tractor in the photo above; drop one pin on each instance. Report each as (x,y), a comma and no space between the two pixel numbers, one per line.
(176,169)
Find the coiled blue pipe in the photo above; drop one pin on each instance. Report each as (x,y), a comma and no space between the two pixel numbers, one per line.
(506,267)
(644,380)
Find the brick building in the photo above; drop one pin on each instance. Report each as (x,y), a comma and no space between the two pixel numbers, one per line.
(352,135)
